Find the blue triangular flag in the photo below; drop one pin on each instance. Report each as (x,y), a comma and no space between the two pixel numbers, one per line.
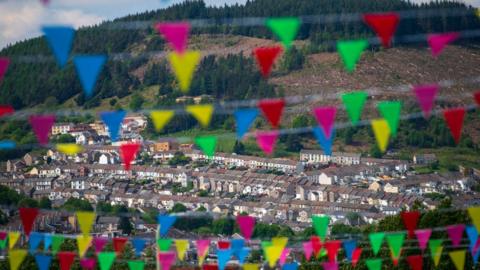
(475,257)
(223,256)
(349,246)
(43,261)
(165,222)
(139,246)
(7,144)
(47,241)
(472,236)
(290,266)
(60,39)
(113,120)
(237,244)
(88,68)
(34,241)
(244,119)
(242,254)
(325,143)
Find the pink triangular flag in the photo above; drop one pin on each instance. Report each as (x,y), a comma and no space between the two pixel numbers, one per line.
(426,96)
(283,256)
(455,233)
(99,243)
(423,236)
(308,250)
(438,42)
(176,34)
(246,225)
(88,263)
(330,266)
(166,259)
(4,63)
(41,125)
(326,118)
(202,246)
(267,140)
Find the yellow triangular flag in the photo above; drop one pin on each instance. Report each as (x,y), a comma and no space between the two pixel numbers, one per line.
(203,113)
(161,118)
(85,220)
(458,258)
(437,255)
(183,66)
(382,133)
(182,247)
(16,258)
(250,266)
(280,241)
(83,243)
(474,213)
(273,254)
(69,148)
(12,239)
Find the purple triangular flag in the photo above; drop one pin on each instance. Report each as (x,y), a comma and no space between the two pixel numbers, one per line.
(455,233)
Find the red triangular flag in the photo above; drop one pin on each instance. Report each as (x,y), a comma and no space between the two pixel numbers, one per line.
(41,125)
(4,63)
(223,244)
(332,248)
(28,216)
(476,96)
(6,109)
(316,244)
(66,259)
(415,262)
(384,24)
(128,152)
(454,119)
(410,220)
(266,56)
(210,267)
(272,109)
(119,244)
(356,256)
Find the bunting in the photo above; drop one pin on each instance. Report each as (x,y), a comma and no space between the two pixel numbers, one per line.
(244,119)
(28,216)
(184,66)
(351,52)
(266,140)
(176,34)
(266,57)
(203,113)
(60,39)
(285,29)
(354,103)
(128,152)
(16,258)
(207,144)
(88,69)
(382,133)
(113,120)
(384,25)
(426,95)
(272,109)
(390,111)
(41,125)
(438,42)
(161,118)
(455,118)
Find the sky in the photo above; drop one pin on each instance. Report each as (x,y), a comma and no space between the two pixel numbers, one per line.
(22,19)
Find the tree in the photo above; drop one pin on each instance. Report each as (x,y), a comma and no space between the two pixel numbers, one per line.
(239,148)
(45,203)
(136,102)
(28,202)
(178,208)
(73,204)
(179,159)
(293,143)
(65,138)
(375,151)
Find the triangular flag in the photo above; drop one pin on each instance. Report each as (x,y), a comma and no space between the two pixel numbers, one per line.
(223,244)
(164,244)
(57,241)
(4,63)
(307,250)
(272,109)
(128,152)
(242,255)
(106,259)
(113,120)
(266,140)
(458,258)
(223,256)
(16,257)
(244,119)
(176,34)
(69,148)
(43,261)
(165,222)
(41,125)
(454,119)
(390,111)
(210,267)
(423,236)
(28,216)
(382,133)
(66,259)
(395,243)
(426,95)
(34,241)
(60,39)
(246,225)
(237,245)
(437,42)
(474,213)
(472,238)
(161,118)
(88,263)
(332,248)
(280,241)
(326,118)
(349,246)
(415,262)
(476,96)
(266,57)
(455,233)
(12,239)
(7,144)
(316,244)
(351,51)
(139,245)
(167,259)
(410,220)
(99,243)
(264,245)
(250,266)
(202,249)
(184,66)
(356,256)
(6,110)
(285,28)
(330,265)
(119,244)
(376,240)
(273,254)
(88,69)
(435,246)
(181,246)
(203,113)
(374,264)
(83,243)
(85,221)
(384,25)
(207,144)
(354,103)
(320,224)
(3,240)
(290,266)
(136,265)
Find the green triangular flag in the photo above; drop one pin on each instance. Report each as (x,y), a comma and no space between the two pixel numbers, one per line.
(285,28)
(395,243)
(376,240)
(164,244)
(354,103)
(3,243)
(136,265)
(435,246)
(106,259)
(320,223)
(57,241)
(390,110)
(207,144)
(374,264)
(351,51)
